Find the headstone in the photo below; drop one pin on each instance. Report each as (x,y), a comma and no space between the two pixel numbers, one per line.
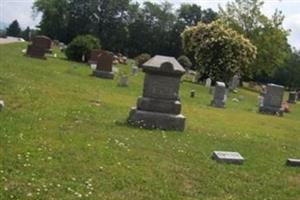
(1,105)
(293,162)
(298,96)
(39,47)
(234,83)
(94,56)
(160,105)
(124,81)
(208,83)
(292,97)
(193,94)
(135,70)
(219,95)
(228,157)
(273,100)
(104,66)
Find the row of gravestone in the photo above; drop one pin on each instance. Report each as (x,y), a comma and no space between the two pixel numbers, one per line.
(160,106)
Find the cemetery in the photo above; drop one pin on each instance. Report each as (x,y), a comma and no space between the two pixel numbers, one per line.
(88,118)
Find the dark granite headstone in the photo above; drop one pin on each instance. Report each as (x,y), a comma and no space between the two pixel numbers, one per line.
(272,102)
(104,66)
(292,97)
(228,157)
(160,106)
(219,95)
(39,47)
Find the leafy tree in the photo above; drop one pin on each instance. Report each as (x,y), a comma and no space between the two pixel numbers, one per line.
(13,29)
(267,34)
(185,61)
(219,51)
(26,34)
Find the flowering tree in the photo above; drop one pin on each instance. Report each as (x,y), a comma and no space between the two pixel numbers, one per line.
(219,51)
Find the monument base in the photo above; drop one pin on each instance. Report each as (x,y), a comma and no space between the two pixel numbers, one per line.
(271,110)
(153,120)
(218,104)
(103,74)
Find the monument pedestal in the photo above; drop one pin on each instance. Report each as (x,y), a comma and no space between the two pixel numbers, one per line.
(151,120)
(271,110)
(103,74)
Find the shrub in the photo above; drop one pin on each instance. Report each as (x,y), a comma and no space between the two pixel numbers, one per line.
(82,45)
(185,62)
(141,59)
(219,51)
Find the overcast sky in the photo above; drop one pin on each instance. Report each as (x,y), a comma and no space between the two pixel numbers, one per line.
(21,10)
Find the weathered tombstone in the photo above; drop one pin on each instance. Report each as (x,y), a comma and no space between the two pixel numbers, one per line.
(124,81)
(160,106)
(104,66)
(94,56)
(273,98)
(234,83)
(39,47)
(208,83)
(219,95)
(135,70)
(298,96)
(293,162)
(292,97)
(1,104)
(228,157)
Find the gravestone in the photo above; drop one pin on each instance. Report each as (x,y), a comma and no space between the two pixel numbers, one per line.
(1,104)
(272,101)
(160,105)
(135,70)
(293,162)
(228,157)
(39,47)
(193,94)
(208,83)
(298,96)
(124,81)
(220,97)
(104,66)
(292,97)
(94,56)
(234,83)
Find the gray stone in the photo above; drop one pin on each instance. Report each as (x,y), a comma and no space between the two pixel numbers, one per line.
(228,157)
(273,98)
(124,81)
(234,83)
(293,162)
(103,74)
(208,83)
(135,70)
(219,95)
(160,106)
(292,97)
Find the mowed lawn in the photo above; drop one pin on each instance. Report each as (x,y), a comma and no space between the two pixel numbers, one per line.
(63,135)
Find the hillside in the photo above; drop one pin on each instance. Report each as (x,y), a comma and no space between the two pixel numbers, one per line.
(63,135)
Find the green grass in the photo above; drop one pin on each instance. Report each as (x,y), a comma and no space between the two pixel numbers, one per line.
(57,143)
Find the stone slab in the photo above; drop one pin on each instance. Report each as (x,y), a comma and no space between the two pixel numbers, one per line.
(228,157)
(103,74)
(153,120)
(158,105)
(293,162)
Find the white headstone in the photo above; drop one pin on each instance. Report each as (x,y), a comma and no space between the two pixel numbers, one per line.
(228,157)
(208,83)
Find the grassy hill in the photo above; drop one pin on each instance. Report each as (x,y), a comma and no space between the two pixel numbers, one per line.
(63,135)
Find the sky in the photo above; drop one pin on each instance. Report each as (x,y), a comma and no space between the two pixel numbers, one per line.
(21,10)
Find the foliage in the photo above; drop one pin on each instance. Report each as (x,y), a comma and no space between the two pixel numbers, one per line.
(267,34)
(26,34)
(185,61)
(121,25)
(13,29)
(219,51)
(141,59)
(82,46)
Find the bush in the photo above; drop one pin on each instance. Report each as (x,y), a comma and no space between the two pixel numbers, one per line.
(82,45)
(141,59)
(219,51)
(185,62)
